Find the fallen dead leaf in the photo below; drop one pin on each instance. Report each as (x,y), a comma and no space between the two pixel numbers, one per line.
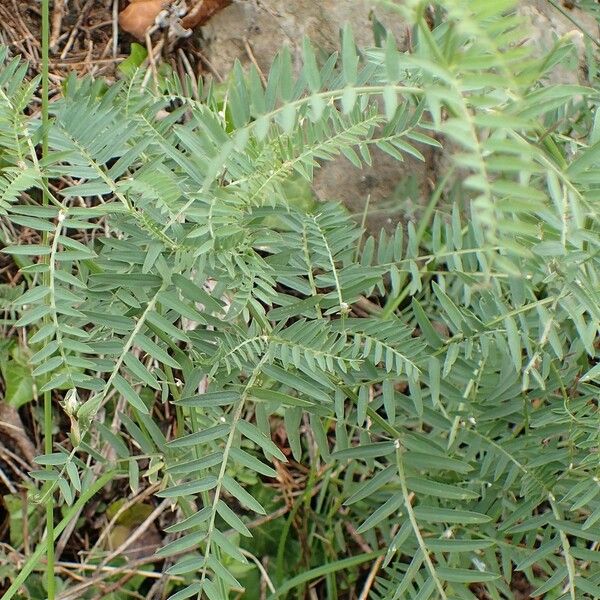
(202,11)
(11,426)
(140,16)
(145,545)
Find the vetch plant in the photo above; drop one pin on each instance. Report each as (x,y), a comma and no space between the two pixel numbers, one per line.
(443,375)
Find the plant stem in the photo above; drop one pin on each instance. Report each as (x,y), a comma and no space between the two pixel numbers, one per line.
(237,415)
(415,526)
(72,512)
(45,79)
(50,585)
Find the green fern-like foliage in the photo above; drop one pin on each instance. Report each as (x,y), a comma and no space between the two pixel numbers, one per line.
(460,417)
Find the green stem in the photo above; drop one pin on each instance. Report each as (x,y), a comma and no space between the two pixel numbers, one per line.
(572,574)
(237,415)
(73,511)
(45,79)
(50,533)
(50,584)
(415,526)
(285,531)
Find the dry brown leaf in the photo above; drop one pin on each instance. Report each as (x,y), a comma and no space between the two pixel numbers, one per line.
(12,427)
(140,16)
(145,545)
(202,11)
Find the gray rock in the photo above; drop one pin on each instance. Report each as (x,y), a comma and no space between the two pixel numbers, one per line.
(253,31)
(263,26)
(548,24)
